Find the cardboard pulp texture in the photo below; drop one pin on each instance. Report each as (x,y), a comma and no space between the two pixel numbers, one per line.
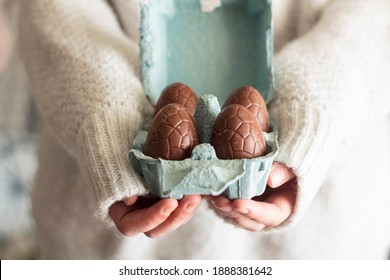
(214,51)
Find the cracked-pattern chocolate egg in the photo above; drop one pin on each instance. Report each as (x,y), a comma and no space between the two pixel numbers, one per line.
(251,99)
(172,134)
(178,93)
(237,134)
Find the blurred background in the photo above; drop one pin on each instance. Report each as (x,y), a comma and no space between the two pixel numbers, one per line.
(18,126)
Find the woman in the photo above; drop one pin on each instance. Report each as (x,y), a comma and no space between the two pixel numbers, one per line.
(332,92)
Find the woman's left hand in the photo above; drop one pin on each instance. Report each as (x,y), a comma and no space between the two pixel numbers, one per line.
(270,209)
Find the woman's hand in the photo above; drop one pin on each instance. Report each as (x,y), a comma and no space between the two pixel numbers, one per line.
(270,209)
(152,216)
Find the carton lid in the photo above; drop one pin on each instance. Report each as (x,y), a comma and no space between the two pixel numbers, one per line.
(212,52)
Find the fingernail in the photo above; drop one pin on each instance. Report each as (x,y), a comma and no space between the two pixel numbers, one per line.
(277,177)
(225,209)
(167,211)
(127,201)
(243,211)
(190,207)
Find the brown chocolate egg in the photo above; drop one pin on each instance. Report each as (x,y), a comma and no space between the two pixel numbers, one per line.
(237,134)
(251,99)
(178,93)
(172,134)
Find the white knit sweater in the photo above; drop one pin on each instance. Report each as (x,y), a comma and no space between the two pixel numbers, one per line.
(332,105)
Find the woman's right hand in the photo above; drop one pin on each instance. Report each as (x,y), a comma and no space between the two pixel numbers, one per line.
(154,217)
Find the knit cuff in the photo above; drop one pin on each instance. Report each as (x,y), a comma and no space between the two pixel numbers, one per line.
(308,111)
(305,143)
(322,98)
(104,141)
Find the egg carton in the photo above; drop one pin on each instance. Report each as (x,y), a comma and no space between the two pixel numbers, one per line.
(213,49)
(204,173)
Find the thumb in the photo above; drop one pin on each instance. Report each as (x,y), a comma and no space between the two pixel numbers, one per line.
(279,175)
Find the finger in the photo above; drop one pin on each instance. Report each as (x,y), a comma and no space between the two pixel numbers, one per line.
(130,200)
(182,214)
(225,207)
(279,175)
(117,211)
(273,211)
(132,222)
(247,223)
(221,203)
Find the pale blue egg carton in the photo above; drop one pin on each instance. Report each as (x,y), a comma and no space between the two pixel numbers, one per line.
(214,47)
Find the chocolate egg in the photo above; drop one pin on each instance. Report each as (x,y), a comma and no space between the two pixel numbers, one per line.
(178,93)
(251,99)
(237,134)
(172,134)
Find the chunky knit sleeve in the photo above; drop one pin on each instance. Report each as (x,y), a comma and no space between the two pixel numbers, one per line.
(83,72)
(332,83)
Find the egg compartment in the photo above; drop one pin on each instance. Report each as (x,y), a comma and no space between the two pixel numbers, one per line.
(204,173)
(213,49)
